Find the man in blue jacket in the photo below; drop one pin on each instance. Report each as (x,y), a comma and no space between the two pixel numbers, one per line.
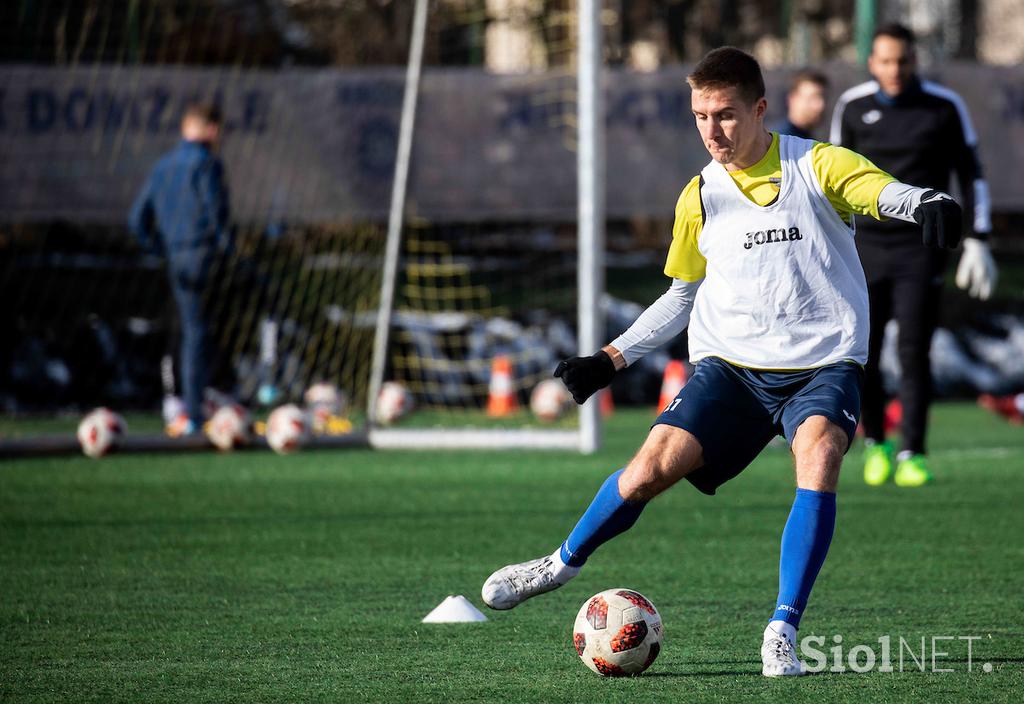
(182,212)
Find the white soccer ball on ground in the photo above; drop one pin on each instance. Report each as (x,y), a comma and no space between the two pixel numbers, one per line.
(324,401)
(617,633)
(228,428)
(394,402)
(100,432)
(287,429)
(549,400)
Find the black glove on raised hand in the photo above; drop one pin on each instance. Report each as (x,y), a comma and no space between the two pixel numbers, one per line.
(941,220)
(585,375)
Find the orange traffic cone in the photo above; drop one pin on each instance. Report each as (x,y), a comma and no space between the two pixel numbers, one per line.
(607,404)
(671,383)
(501,400)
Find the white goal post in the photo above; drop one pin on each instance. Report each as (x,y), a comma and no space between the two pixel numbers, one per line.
(590,241)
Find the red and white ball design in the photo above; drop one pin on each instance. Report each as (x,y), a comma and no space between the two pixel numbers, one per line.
(323,402)
(618,633)
(394,402)
(229,427)
(100,432)
(549,400)
(287,429)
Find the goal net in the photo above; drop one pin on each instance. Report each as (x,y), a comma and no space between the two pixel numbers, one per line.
(487,296)
(320,102)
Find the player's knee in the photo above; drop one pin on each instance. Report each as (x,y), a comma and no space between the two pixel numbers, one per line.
(668,455)
(818,465)
(828,453)
(644,478)
(650,473)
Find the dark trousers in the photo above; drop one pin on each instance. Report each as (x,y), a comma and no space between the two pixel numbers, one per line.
(195,349)
(904,282)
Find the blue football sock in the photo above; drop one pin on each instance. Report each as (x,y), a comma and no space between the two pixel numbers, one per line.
(805,542)
(607,516)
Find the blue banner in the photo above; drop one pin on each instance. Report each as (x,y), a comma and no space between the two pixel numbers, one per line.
(319,145)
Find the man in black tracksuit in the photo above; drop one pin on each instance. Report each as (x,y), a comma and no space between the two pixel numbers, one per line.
(920,133)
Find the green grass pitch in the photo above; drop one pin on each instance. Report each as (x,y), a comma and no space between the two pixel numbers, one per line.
(251,577)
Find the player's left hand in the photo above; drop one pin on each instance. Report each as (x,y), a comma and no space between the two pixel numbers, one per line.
(941,220)
(976,273)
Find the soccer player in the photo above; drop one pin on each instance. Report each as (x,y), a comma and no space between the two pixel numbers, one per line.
(805,104)
(763,257)
(920,133)
(182,211)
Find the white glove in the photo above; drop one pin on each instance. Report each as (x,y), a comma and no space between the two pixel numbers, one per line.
(976,273)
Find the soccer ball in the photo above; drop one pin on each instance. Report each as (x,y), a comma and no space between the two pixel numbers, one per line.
(229,427)
(617,633)
(100,432)
(286,429)
(393,402)
(323,402)
(549,400)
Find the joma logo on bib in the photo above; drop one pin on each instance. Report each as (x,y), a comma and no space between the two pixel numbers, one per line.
(769,236)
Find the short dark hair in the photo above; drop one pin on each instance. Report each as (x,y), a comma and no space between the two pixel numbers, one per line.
(728,67)
(894,30)
(808,75)
(205,110)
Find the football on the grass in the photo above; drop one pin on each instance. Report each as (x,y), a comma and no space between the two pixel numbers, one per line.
(287,429)
(618,633)
(100,432)
(229,427)
(323,402)
(549,400)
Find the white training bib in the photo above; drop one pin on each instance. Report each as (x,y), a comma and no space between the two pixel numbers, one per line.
(784,287)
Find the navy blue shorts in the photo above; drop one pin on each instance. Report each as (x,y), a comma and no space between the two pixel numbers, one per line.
(735,412)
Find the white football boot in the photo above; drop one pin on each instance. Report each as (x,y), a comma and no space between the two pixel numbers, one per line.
(778,655)
(514,584)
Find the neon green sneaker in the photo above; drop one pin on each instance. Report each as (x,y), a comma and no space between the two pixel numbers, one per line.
(913,471)
(878,463)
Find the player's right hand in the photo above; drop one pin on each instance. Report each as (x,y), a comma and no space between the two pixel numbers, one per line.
(585,375)
(941,220)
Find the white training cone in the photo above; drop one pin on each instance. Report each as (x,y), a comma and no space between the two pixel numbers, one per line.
(455,609)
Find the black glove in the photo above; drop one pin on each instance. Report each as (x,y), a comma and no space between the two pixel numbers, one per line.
(941,220)
(585,375)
